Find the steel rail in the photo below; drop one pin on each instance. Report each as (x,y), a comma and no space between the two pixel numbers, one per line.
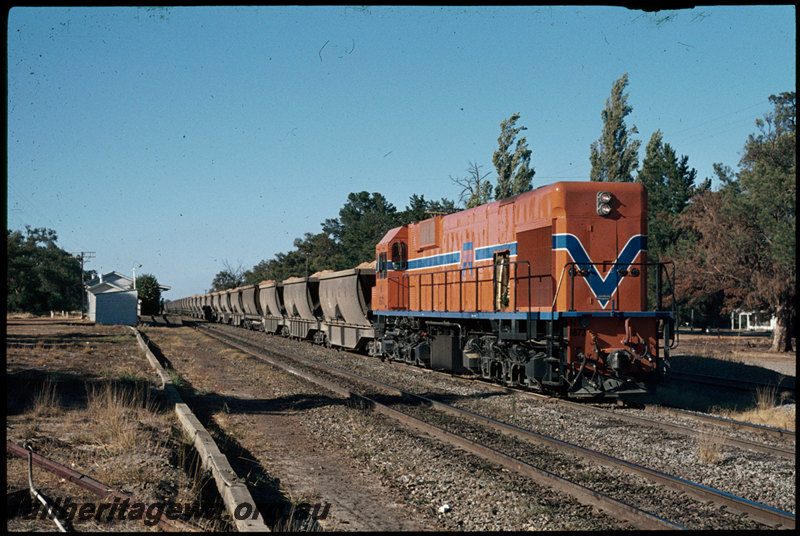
(745,444)
(38,495)
(731,423)
(684,430)
(639,518)
(757,511)
(90,484)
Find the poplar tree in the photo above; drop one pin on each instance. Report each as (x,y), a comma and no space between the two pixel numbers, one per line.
(614,157)
(514,170)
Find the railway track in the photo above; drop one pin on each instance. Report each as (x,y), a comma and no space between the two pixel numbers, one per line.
(746,444)
(417,407)
(738,425)
(725,423)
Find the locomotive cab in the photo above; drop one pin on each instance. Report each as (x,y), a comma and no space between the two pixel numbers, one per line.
(392,261)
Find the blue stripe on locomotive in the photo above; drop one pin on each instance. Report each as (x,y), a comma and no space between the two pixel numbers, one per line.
(445,259)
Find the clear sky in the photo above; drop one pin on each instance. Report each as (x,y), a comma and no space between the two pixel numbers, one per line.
(180,138)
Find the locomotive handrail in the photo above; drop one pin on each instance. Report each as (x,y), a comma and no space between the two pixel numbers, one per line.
(574,269)
(405,282)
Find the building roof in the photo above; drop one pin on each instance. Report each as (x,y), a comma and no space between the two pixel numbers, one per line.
(113,282)
(109,282)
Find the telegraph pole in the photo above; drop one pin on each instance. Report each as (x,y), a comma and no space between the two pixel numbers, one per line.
(83,255)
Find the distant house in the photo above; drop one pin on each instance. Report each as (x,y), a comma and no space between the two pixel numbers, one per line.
(112,300)
(754,320)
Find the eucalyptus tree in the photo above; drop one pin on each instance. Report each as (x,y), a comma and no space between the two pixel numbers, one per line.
(746,231)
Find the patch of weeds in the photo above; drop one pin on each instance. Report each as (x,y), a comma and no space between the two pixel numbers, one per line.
(710,447)
(46,402)
(176,379)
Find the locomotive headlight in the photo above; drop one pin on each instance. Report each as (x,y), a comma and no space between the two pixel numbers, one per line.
(604,203)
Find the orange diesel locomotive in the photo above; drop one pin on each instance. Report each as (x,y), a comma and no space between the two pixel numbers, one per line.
(546,289)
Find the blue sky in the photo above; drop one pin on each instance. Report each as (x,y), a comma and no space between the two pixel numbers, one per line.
(180,138)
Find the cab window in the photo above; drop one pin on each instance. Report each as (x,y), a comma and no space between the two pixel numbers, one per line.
(382,265)
(399,259)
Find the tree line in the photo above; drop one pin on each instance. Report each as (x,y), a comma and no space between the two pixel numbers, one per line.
(733,247)
(43,277)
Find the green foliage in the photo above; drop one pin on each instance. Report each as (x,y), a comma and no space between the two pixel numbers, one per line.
(419,209)
(362,222)
(670,186)
(514,170)
(345,242)
(769,180)
(258,273)
(149,292)
(228,278)
(41,276)
(614,157)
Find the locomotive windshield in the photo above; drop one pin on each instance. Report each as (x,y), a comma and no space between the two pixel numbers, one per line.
(399,258)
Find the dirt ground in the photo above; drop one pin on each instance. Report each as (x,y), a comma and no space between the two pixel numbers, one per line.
(737,355)
(749,348)
(253,411)
(84,396)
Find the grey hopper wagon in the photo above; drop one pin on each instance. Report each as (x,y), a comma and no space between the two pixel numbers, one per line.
(345,298)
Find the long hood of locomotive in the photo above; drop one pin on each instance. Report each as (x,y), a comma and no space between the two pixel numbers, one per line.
(563,256)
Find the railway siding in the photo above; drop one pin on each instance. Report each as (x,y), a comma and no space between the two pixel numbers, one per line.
(256,413)
(234,493)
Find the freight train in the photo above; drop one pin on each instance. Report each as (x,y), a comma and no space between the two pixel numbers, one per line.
(546,290)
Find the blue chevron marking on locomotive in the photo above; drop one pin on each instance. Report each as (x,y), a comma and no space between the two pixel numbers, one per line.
(603,288)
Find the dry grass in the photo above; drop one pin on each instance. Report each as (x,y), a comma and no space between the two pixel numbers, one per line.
(20,316)
(121,411)
(85,401)
(46,402)
(710,447)
(769,410)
